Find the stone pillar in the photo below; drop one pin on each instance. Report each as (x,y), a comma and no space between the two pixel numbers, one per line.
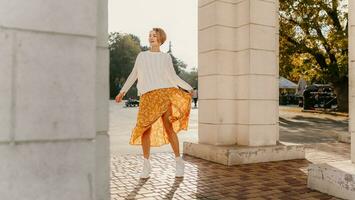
(238,82)
(52,69)
(238,73)
(256,80)
(102,107)
(338,178)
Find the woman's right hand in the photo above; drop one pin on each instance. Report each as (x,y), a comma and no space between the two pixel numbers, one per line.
(119,97)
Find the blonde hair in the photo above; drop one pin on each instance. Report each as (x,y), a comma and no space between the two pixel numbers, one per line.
(161,35)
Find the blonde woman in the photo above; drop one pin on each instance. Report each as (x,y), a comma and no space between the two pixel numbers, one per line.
(164,108)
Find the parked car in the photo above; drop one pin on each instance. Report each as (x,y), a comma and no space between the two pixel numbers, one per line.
(132,103)
(318,96)
(288,99)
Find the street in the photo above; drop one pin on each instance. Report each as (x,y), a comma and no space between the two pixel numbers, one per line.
(295,127)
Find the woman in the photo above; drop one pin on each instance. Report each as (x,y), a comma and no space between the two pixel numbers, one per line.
(164,108)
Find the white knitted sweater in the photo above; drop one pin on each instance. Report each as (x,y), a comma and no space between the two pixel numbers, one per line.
(153,70)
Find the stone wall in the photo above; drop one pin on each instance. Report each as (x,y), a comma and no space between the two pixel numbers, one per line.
(53,105)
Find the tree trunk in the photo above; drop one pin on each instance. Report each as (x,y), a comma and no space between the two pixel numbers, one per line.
(341,89)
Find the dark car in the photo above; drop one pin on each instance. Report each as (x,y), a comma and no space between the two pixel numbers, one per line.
(318,96)
(287,99)
(132,103)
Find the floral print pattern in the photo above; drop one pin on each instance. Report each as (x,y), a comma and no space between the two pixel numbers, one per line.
(152,106)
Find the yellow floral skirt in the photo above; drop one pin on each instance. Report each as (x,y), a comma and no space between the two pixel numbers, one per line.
(152,105)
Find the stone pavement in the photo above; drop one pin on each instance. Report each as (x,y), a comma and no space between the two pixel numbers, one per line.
(304,127)
(207,180)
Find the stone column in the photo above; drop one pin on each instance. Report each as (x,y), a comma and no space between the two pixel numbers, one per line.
(102,107)
(49,82)
(338,178)
(238,82)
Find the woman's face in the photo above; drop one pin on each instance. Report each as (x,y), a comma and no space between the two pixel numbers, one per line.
(153,39)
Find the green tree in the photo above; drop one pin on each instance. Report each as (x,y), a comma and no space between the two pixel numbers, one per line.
(190,77)
(314,42)
(124,49)
(178,64)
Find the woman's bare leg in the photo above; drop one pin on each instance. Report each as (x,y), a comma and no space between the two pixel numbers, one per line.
(146,143)
(172,137)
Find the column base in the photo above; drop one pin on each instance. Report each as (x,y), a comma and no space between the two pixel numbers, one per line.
(237,155)
(334,178)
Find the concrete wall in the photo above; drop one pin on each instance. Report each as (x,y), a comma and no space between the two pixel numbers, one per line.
(238,72)
(53,110)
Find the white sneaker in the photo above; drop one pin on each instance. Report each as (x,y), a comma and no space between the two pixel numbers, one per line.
(147,168)
(180,166)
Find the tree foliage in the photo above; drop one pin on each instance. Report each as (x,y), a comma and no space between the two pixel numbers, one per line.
(124,49)
(314,42)
(179,65)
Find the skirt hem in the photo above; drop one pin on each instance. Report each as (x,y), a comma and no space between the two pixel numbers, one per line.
(162,144)
(155,103)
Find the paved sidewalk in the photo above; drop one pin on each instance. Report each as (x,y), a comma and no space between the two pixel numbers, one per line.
(207,180)
(301,128)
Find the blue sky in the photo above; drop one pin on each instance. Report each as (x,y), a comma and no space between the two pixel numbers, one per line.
(177,17)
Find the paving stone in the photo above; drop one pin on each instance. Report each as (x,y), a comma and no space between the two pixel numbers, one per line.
(208,180)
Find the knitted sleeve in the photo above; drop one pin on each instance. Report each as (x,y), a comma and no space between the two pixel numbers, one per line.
(132,76)
(175,78)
